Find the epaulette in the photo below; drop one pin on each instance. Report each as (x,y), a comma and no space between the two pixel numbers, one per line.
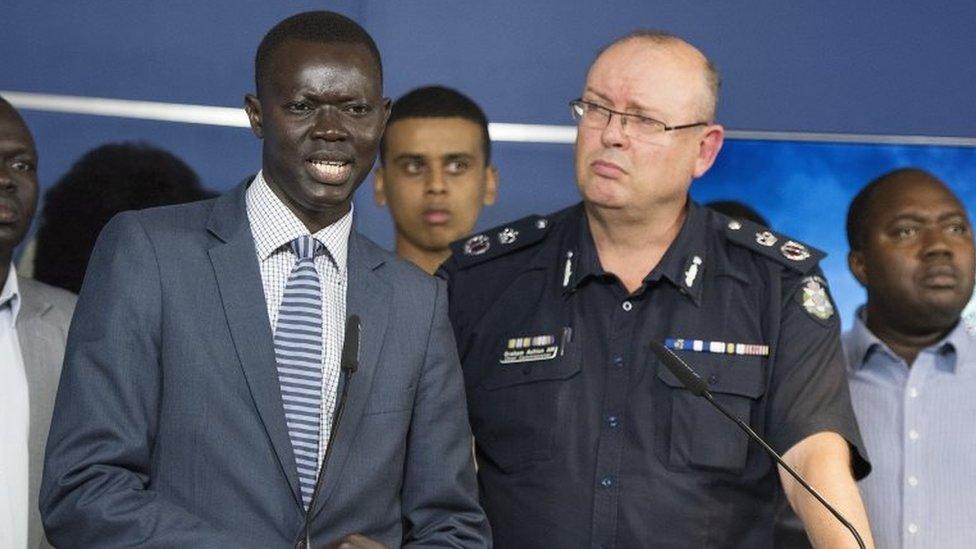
(778,247)
(500,240)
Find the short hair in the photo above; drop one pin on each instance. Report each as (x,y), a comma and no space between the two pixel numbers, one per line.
(8,108)
(438,102)
(860,207)
(105,181)
(323,27)
(737,210)
(713,81)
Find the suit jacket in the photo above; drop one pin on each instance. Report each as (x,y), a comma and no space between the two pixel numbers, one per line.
(168,428)
(42,327)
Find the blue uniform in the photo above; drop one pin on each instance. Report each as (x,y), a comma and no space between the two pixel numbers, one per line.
(584,439)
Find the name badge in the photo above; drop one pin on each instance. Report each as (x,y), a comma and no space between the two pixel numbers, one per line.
(530,349)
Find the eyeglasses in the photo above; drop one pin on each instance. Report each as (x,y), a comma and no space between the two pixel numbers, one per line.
(635,126)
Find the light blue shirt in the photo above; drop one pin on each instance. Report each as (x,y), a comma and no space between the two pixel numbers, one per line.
(14,421)
(919,429)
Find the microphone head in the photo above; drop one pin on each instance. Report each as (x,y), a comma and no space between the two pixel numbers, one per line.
(691,380)
(349,361)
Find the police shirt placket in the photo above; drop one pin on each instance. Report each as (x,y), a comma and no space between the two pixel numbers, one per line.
(620,346)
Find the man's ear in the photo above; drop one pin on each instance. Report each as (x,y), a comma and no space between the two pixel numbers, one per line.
(855,262)
(491,186)
(708,147)
(379,192)
(253,109)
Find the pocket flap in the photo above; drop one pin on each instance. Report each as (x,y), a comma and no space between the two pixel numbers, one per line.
(506,375)
(724,373)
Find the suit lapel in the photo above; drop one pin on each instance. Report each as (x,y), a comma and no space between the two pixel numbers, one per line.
(368,296)
(239,281)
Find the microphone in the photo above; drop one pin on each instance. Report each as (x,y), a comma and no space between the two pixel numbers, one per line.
(348,363)
(698,387)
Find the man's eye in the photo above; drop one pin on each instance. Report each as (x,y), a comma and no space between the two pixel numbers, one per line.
(359,110)
(413,167)
(299,107)
(958,228)
(22,166)
(902,233)
(457,166)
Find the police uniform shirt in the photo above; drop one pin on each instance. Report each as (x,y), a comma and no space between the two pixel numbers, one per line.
(584,439)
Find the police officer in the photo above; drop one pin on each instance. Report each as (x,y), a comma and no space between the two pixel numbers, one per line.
(583,438)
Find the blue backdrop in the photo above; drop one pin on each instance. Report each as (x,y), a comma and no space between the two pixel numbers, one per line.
(830,66)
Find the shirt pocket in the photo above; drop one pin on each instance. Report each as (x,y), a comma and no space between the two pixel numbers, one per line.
(701,437)
(517,406)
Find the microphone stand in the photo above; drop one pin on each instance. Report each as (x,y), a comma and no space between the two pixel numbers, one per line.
(694,383)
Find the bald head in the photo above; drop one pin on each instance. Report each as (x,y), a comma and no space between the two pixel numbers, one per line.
(706,94)
(861,210)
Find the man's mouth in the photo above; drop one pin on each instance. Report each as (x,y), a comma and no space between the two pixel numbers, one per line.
(437,217)
(607,169)
(941,277)
(330,172)
(8,213)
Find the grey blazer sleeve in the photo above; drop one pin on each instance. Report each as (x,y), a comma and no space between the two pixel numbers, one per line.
(440,505)
(96,489)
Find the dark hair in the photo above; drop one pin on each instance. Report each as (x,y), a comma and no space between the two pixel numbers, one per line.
(737,210)
(438,102)
(105,181)
(323,27)
(857,212)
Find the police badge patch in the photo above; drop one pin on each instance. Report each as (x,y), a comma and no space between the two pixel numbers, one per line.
(814,299)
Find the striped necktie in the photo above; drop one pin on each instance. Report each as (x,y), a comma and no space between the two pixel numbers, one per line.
(298,350)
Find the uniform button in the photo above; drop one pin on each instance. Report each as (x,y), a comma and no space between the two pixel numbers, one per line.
(712,379)
(628,306)
(912,481)
(913,434)
(618,361)
(913,392)
(912,528)
(613,421)
(606,482)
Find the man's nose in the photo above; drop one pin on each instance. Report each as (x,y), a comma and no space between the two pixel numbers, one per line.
(935,242)
(436,183)
(614,133)
(329,125)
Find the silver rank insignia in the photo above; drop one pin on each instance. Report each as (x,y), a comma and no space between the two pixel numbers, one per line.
(766,238)
(692,271)
(813,296)
(794,251)
(477,245)
(530,349)
(507,235)
(735,225)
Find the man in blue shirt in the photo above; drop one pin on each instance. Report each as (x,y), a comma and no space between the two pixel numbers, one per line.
(911,362)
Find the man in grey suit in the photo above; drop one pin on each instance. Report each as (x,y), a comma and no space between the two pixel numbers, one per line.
(185,413)
(34,320)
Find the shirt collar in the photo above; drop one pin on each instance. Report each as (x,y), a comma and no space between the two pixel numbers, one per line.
(863,343)
(10,295)
(682,264)
(273,225)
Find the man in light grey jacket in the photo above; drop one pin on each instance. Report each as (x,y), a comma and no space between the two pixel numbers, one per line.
(34,320)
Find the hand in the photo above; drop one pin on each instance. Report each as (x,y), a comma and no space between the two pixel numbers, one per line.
(355,541)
